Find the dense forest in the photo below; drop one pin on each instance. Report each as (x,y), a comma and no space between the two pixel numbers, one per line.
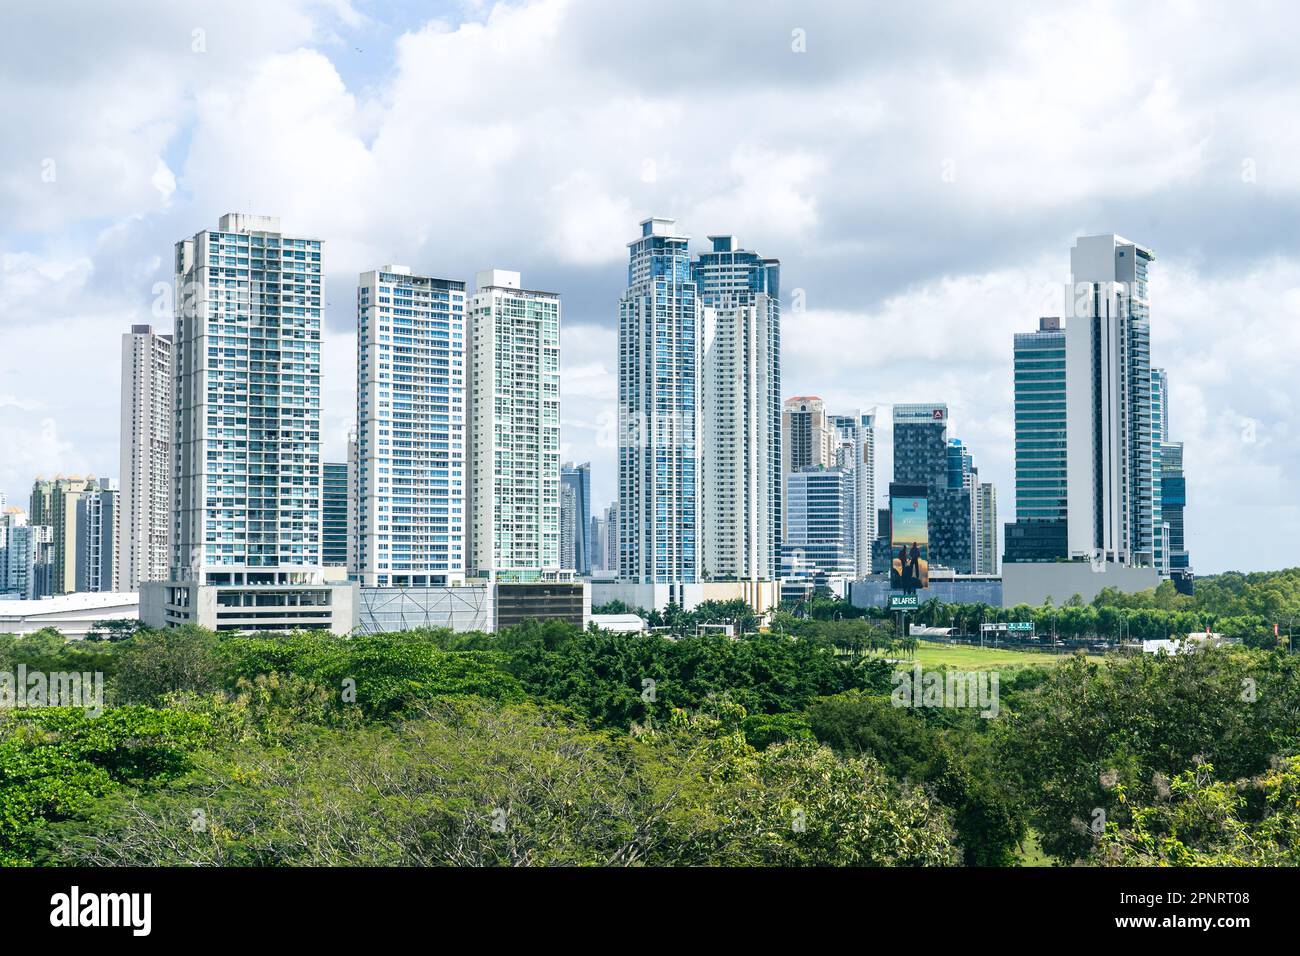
(549,745)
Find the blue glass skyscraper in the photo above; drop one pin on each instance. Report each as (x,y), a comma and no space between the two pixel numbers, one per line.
(658,401)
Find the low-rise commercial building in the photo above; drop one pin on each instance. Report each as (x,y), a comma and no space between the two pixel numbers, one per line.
(271,606)
(72,615)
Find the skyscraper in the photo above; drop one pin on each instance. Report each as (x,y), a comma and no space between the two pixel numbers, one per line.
(922,457)
(514,461)
(659,349)
(97,544)
(986,528)
(24,556)
(568,526)
(1170,487)
(1173,490)
(598,536)
(808,437)
(144,507)
(855,439)
(334,514)
(1159,435)
(820,549)
(611,539)
(740,319)
(963,474)
(354,502)
(247,439)
(54,505)
(246,541)
(411,429)
(1039,531)
(1108,402)
(575,517)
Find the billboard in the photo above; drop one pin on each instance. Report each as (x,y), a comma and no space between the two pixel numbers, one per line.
(909,567)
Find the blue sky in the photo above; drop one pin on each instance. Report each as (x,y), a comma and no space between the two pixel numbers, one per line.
(921,170)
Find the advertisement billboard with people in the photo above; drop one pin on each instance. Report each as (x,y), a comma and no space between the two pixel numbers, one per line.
(909,568)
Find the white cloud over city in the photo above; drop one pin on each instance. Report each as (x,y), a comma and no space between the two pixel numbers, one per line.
(921,170)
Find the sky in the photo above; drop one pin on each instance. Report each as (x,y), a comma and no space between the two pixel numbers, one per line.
(921,170)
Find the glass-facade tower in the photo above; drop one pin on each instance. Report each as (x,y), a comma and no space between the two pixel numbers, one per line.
(334,514)
(1039,531)
(658,411)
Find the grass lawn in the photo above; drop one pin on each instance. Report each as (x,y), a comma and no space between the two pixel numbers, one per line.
(966,657)
(1030,853)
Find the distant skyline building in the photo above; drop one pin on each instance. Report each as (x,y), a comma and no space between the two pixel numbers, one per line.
(1159,435)
(599,538)
(807,433)
(986,528)
(740,321)
(1170,487)
(1039,532)
(97,543)
(411,429)
(354,503)
(1173,490)
(24,556)
(922,457)
(144,513)
(568,530)
(1108,402)
(334,514)
(514,440)
(820,549)
(855,449)
(611,539)
(53,504)
(575,517)
(659,358)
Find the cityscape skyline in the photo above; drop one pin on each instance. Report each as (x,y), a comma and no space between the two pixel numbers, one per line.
(916,255)
(719,411)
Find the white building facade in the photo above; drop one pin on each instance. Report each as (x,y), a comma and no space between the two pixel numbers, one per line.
(246,541)
(412,430)
(247,404)
(514,442)
(740,319)
(855,450)
(144,509)
(1108,402)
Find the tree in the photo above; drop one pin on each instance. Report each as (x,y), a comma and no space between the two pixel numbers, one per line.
(155,663)
(1203,821)
(56,762)
(1091,728)
(114,629)
(958,766)
(472,782)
